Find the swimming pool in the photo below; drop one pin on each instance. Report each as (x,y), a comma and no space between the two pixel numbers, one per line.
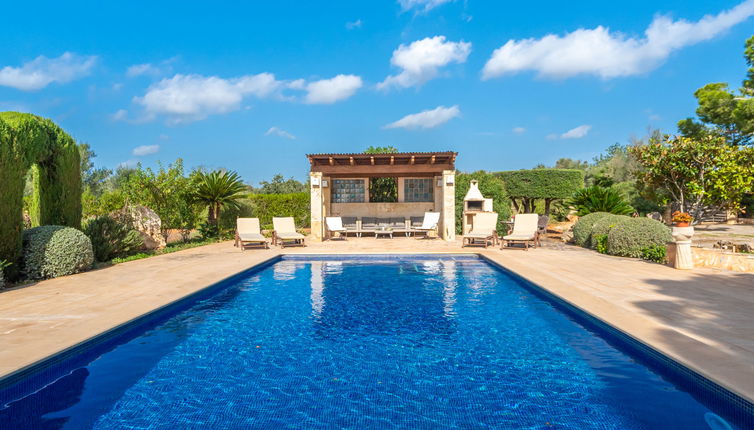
(366,342)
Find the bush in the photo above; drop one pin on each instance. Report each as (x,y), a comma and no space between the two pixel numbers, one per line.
(266,206)
(582,230)
(600,243)
(111,238)
(603,226)
(3,265)
(656,253)
(491,187)
(52,250)
(600,199)
(632,235)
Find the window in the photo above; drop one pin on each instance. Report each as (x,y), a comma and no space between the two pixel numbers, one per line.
(418,190)
(347,191)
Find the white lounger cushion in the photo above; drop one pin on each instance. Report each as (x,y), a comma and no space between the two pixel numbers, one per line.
(524,227)
(289,235)
(248,230)
(334,223)
(485,225)
(430,221)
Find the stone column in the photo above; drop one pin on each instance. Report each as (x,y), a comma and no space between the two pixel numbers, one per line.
(683,257)
(448,227)
(317,215)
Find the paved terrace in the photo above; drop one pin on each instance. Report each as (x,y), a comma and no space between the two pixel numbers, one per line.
(702,318)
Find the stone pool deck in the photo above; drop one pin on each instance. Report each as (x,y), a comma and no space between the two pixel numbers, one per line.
(702,318)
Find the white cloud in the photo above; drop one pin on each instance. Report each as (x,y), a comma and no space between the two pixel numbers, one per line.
(192,97)
(353,24)
(327,91)
(577,132)
(280,133)
(142,69)
(519,130)
(42,71)
(146,150)
(427,119)
(607,54)
(120,115)
(422,59)
(421,5)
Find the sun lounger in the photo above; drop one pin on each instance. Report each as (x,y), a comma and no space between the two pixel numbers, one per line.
(524,231)
(484,230)
(335,225)
(285,233)
(429,224)
(249,233)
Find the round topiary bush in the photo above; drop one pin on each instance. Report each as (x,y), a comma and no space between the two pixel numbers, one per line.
(603,226)
(582,230)
(631,237)
(50,251)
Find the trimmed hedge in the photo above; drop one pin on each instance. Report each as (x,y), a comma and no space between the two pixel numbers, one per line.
(582,230)
(3,265)
(53,250)
(526,186)
(31,142)
(491,187)
(603,226)
(632,237)
(266,206)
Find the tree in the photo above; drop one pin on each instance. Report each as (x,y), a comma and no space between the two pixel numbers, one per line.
(570,163)
(280,185)
(217,189)
(722,111)
(525,187)
(92,179)
(165,191)
(382,190)
(699,174)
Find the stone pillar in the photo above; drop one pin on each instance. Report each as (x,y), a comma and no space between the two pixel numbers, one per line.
(317,206)
(448,226)
(683,257)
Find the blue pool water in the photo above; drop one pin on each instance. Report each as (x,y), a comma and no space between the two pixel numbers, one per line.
(362,343)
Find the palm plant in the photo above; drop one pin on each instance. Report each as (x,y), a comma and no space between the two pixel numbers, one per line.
(600,199)
(218,189)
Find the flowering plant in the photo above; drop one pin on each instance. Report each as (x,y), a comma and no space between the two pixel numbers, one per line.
(679,216)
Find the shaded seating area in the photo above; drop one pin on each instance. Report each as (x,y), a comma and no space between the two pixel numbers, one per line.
(384,194)
(285,234)
(525,231)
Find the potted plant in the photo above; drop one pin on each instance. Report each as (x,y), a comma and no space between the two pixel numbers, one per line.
(682,219)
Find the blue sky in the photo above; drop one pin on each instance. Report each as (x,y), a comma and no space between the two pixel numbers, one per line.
(253,86)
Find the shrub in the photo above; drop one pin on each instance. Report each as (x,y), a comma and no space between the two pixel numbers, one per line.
(52,250)
(582,230)
(491,187)
(266,206)
(656,253)
(603,226)
(525,187)
(111,238)
(600,243)
(632,235)
(3,265)
(599,199)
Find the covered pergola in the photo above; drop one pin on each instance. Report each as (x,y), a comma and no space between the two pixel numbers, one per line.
(339,185)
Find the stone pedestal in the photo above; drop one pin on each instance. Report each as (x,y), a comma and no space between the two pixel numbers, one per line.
(683,257)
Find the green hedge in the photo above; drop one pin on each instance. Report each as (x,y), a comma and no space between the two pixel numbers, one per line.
(526,186)
(266,206)
(632,237)
(491,187)
(582,230)
(30,142)
(603,226)
(53,250)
